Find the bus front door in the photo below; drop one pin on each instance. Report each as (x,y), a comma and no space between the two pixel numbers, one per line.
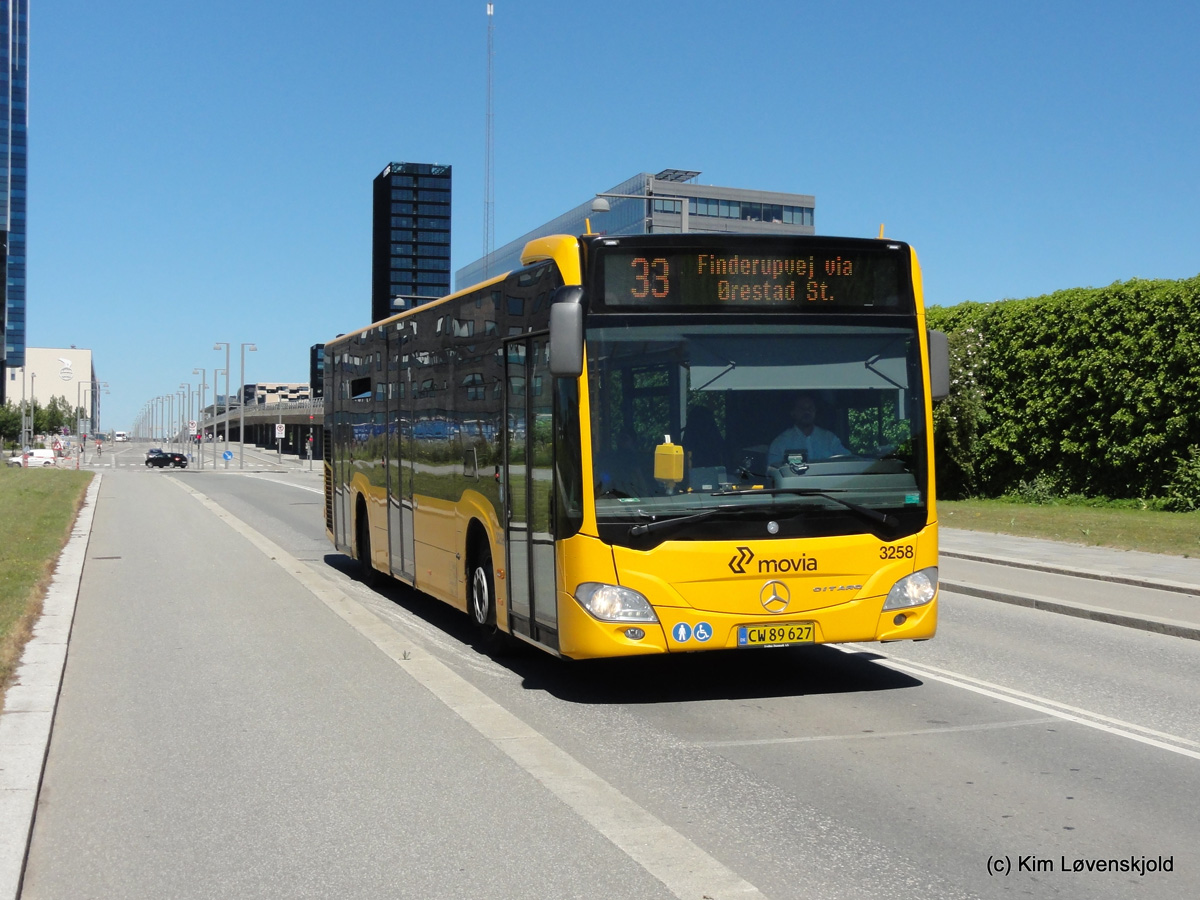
(527,478)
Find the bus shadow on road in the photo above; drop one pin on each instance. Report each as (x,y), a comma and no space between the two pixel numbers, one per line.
(673,678)
(715,675)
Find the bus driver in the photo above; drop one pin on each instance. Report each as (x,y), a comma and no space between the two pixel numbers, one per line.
(806,436)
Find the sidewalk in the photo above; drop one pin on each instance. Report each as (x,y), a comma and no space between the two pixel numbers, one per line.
(1148,591)
(32,700)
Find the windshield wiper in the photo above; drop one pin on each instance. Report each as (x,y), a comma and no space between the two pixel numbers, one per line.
(658,524)
(865,511)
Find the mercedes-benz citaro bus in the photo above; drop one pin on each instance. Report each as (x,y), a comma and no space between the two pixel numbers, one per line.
(652,444)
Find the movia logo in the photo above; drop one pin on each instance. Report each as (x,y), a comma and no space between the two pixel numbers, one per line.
(745,556)
(738,563)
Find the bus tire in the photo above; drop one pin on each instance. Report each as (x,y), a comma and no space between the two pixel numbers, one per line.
(482,601)
(362,547)
(483,589)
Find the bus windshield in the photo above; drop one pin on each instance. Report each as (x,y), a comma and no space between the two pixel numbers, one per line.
(815,424)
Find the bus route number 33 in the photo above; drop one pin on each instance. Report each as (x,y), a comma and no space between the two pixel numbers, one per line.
(652,278)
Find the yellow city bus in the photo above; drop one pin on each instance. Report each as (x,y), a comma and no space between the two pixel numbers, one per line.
(651,444)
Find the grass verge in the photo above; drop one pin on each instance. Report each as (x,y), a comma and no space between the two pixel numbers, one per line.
(37,509)
(1149,530)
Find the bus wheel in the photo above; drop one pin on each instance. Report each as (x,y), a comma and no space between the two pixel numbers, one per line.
(362,547)
(483,607)
(483,603)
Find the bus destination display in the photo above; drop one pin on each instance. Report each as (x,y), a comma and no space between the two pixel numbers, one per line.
(643,278)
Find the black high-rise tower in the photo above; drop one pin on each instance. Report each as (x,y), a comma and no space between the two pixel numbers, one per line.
(410,260)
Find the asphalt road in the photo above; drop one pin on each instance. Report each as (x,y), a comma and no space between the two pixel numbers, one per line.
(244,719)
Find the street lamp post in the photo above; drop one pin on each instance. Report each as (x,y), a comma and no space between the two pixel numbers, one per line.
(242,408)
(216,383)
(203,373)
(32,405)
(79,419)
(185,415)
(600,204)
(78,413)
(217,346)
(24,407)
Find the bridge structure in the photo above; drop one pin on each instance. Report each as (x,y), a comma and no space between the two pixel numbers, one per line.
(301,421)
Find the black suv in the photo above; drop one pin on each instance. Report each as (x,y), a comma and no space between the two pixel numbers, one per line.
(161,458)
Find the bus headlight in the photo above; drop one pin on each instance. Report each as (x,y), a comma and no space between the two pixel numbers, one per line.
(916,589)
(612,603)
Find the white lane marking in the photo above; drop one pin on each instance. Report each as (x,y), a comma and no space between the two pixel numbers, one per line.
(1038,704)
(685,869)
(276,480)
(430,634)
(865,735)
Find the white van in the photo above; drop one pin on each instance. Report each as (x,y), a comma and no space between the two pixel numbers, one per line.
(35,458)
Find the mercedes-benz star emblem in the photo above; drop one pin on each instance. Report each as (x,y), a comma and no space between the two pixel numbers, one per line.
(775,596)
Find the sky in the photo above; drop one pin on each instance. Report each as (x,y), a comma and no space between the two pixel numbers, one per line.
(201,172)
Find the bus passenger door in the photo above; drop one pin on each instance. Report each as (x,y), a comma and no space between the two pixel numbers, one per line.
(399,461)
(338,454)
(528,482)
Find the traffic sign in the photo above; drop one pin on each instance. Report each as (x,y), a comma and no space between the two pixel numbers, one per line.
(280,430)
(227,455)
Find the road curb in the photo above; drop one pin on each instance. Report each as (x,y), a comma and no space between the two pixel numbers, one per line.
(1171,627)
(1178,587)
(32,699)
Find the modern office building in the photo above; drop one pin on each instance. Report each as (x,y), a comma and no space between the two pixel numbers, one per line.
(14,91)
(63,372)
(669,202)
(410,259)
(316,369)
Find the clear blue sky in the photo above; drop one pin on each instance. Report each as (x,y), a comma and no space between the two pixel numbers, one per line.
(201,172)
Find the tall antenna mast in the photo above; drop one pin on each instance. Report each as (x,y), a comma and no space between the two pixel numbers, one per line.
(489,162)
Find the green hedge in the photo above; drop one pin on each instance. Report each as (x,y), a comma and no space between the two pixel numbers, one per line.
(1091,391)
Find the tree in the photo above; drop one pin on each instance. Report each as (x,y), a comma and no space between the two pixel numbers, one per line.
(10,422)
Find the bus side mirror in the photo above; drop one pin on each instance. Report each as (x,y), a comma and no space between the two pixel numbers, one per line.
(939,364)
(566,332)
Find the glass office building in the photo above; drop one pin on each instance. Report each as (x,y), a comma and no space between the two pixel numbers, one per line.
(668,202)
(316,369)
(410,259)
(14,91)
